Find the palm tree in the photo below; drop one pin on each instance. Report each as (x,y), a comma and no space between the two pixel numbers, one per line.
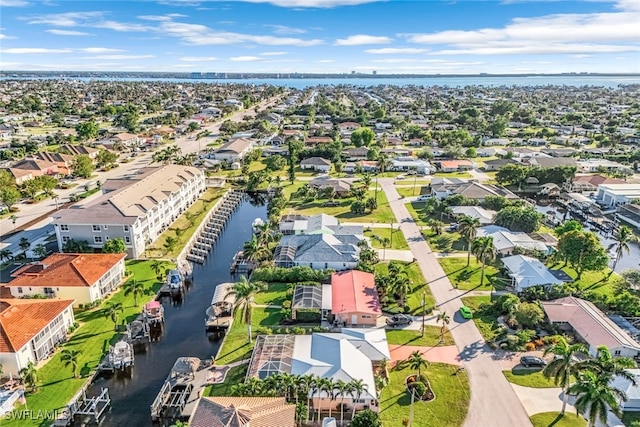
(358,388)
(604,363)
(5,254)
(135,288)
(111,312)
(468,228)
(417,362)
(326,385)
(384,242)
(29,375)
(620,244)
(400,283)
(595,396)
(244,292)
(483,249)
(436,226)
(156,266)
(342,388)
(24,244)
(255,251)
(445,319)
(564,365)
(70,357)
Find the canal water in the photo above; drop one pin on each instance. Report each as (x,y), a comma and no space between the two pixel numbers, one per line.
(184,331)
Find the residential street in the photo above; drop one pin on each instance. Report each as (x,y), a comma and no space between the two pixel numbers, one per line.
(29,212)
(493,401)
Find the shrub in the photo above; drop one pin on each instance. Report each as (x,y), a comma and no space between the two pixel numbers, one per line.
(291,275)
(308,315)
(529,346)
(286,304)
(406,309)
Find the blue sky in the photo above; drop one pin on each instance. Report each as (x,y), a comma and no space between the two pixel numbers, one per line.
(307,36)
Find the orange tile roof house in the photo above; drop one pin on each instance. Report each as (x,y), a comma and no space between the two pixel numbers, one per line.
(84,278)
(243,412)
(30,329)
(455,165)
(354,298)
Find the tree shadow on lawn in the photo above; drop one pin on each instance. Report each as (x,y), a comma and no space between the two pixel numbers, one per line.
(401,399)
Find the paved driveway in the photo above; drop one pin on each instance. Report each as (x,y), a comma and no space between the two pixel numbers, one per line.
(493,400)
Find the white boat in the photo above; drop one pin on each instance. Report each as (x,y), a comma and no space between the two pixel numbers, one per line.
(175,280)
(257,223)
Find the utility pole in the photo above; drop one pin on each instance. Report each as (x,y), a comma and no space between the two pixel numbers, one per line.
(391,224)
(423,310)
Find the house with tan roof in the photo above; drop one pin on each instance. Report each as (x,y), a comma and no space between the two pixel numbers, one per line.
(27,169)
(224,411)
(84,278)
(63,161)
(136,209)
(30,329)
(591,326)
(234,150)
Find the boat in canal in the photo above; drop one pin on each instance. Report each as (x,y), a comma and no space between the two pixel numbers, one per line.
(153,313)
(121,356)
(175,280)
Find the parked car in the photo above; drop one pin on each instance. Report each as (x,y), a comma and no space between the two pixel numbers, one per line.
(399,320)
(527,361)
(423,198)
(331,203)
(465,312)
(453,226)
(401,176)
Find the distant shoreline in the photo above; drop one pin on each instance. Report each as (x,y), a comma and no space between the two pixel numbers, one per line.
(302,76)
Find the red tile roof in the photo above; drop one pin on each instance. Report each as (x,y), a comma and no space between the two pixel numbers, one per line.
(455,163)
(354,291)
(22,319)
(226,411)
(61,270)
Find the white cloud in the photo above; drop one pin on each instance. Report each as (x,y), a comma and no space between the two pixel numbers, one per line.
(123,27)
(273,53)
(67,33)
(326,61)
(360,39)
(100,50)
(549,34)
(245,58)
(312,3)
(5,37)
(396,50)
(283,29)
(167,17)
(13,3)
(198,58)
(34,50)
(119,57)
(68,19)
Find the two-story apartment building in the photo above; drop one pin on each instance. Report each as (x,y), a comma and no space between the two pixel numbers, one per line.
(84,278)
(136,209)
(31,328)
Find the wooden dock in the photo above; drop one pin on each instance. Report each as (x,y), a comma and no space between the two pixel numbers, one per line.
(120,358)
(183,387)
(90,409)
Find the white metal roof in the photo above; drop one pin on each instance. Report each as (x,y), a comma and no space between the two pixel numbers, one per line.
(528,272)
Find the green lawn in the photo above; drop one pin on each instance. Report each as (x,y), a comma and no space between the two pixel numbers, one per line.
(93,338)
(554,419)
(485,319)
(398,242)
(415,209)
(630,417)
(529,378)
(382,214)
(414,299)
(445,241)
(597,282)
(235,346)
(409,192)
(235,376)
(448,409)
(200,207)
(409,337)
(275,294)
(468,278)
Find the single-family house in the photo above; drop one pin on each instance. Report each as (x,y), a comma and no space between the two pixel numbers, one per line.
(406,164)
(126,139)
(356,153)
(550,162)
(354,298)
(341,187)
(318,140)
(317,164)
(485,216)
(319,251)
(596,165)
(506,241)
(630,388)
(84,278)
(353,354)
(234,150)
(64,162)
(495,164)
(527,272)
(31,330)
(27,169)
(241,411)
(589,183)
(590,325)
(455,165)
(317,224)
(612,195)
(629,213)
(446,187)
